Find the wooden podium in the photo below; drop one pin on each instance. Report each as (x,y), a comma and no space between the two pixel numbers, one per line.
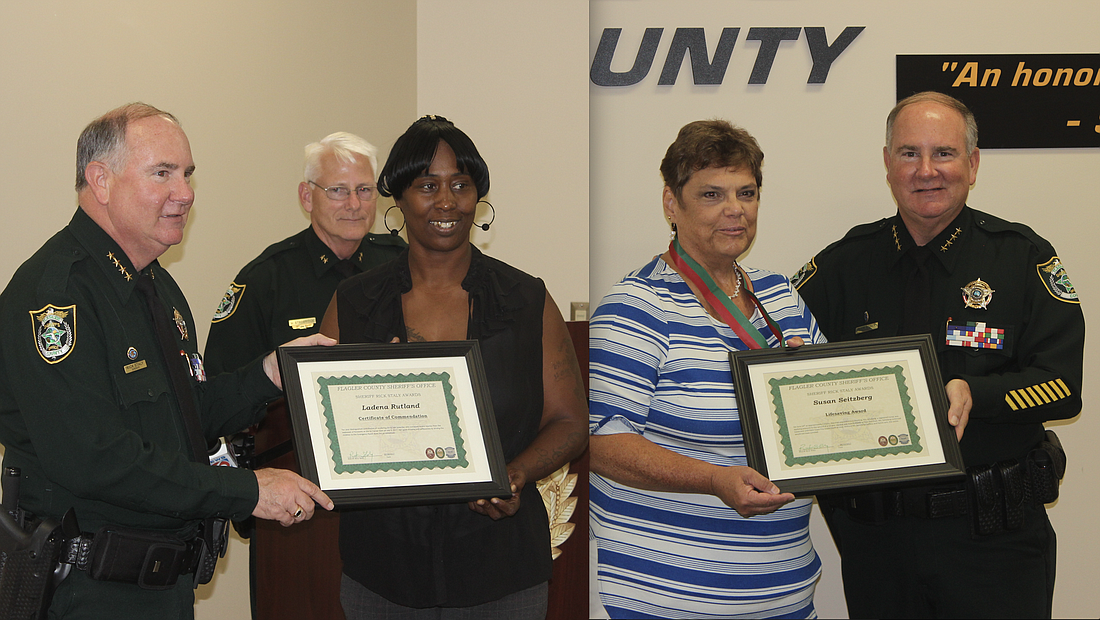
(297,569)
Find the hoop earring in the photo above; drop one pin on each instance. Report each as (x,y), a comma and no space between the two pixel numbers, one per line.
(485,227)
(393,231)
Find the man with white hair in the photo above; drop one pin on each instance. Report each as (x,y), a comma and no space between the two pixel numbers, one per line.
(284,292)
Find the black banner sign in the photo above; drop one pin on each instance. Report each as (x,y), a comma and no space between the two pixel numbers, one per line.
(1020,100)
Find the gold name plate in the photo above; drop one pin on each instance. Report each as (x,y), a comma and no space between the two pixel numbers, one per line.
(138,365)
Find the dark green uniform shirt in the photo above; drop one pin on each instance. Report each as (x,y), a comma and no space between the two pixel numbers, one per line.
(1027,370)
(283,294)
(88,414)
(86,406)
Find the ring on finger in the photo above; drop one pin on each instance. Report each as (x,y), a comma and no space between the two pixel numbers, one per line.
(298,513)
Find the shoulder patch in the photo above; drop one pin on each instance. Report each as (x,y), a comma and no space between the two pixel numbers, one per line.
(228,305)
(808,270)
(1056,280)
(54,330)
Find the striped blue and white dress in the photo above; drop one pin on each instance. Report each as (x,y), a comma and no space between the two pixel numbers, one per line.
(659,367)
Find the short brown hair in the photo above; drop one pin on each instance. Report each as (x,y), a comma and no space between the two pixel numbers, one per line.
(710,144)
(104,139)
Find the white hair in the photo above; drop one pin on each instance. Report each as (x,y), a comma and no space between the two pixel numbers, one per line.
(345,146)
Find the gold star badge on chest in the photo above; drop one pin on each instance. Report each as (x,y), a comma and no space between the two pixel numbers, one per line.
(977,294)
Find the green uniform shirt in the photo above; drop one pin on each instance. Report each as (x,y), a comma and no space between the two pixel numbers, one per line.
(86,406)
(282,295)
(1017,337)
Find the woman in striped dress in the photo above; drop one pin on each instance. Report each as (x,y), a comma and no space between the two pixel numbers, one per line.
(684,528)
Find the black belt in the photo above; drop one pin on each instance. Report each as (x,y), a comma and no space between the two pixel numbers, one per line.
(994,496)
(152,560)
(920,502)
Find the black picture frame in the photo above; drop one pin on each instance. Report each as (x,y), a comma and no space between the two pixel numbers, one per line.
(472,468)
(764,377)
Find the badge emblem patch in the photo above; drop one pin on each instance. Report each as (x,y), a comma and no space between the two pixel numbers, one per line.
(54,331)
(1055,278)
(804,274)
(977,294)
(229,302)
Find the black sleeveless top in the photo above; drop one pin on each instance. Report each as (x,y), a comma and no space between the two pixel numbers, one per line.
(448,555)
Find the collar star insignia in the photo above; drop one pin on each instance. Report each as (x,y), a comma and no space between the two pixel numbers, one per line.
(324,259)
(897,242)
(954,235)
(118,264)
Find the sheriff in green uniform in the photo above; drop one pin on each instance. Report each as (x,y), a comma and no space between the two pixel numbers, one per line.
(88,409)
(284,292)
(1009,336)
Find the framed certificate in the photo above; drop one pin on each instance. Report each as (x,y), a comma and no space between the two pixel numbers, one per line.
(844,415)
(394,424)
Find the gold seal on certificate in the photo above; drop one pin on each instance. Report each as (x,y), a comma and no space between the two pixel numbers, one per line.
(394,424)
(845,415)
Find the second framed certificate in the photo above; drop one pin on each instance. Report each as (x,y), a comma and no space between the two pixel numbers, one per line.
(394,424)
(846,415)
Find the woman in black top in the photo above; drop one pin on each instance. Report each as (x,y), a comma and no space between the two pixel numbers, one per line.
(489,558)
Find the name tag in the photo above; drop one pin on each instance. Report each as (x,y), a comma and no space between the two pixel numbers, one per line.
(302,323)
(129,368)
(866,328)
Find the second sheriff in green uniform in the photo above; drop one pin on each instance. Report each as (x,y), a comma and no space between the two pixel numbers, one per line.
(1005,318)
(283,294)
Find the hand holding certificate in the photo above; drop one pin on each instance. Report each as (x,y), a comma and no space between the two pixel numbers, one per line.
(845,415)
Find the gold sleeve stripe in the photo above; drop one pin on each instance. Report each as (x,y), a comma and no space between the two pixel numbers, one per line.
(1050,392)
(1027,399)
(1057,390)
(1019,401)
(1021,396)
(1037,394)
(1063,386)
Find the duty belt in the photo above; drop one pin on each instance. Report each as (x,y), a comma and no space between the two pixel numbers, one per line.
(152,560)
(994,496)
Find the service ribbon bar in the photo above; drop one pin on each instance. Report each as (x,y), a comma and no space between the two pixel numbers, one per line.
(975,335)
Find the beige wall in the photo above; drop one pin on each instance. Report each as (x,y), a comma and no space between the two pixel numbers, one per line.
(510,74)
(823,173)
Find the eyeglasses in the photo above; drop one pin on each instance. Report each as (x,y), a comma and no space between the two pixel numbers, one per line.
(339,192)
